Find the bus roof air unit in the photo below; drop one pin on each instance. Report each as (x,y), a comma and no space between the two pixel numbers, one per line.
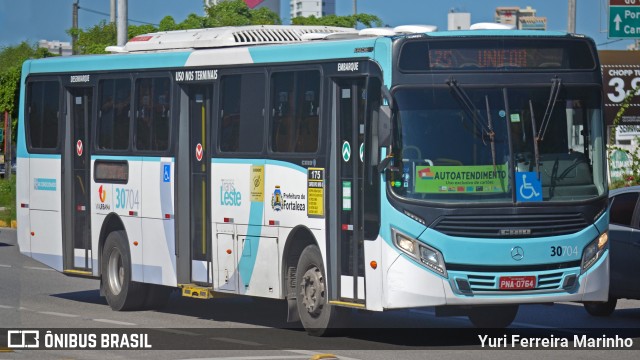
(222,37)
(254,35)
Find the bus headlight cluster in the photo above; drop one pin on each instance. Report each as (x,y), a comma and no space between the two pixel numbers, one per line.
(427,255)
(594,251)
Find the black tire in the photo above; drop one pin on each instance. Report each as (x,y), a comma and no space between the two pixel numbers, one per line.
(601,308)
(157,296)
(498,316)
(318,317)
(121,293)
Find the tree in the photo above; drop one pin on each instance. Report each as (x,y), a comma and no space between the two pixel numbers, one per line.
(237,13)
(11,59)
(350,21)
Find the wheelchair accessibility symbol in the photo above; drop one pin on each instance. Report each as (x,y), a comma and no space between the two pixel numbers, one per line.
(529,187)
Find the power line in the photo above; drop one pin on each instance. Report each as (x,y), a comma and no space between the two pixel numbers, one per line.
(610,42)
(108,15)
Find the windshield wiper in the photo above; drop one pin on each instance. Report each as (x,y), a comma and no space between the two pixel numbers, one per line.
(492,135)
(471,109)
(556,82)
(535,139)
(538,134)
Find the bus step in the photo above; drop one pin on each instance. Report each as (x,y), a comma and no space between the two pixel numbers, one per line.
(195,291)
(79,273)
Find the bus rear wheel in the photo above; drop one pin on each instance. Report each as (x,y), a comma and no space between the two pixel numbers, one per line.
(121,292)
(499,316)
(318,317)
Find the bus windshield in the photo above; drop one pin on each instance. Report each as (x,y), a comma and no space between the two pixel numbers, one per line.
(496,144)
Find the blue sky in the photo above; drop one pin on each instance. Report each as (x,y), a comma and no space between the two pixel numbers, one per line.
(32,20)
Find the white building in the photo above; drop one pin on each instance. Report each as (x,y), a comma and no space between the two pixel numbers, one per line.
(274,5)
(458,20)
(56,47)
(317,8)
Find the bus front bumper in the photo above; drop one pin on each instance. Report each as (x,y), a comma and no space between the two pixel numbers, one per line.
(411,286)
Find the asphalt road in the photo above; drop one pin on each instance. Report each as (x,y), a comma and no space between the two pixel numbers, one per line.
(33,296)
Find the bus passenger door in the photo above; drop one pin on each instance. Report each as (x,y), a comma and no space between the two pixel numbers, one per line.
(76,180)
(193,192)
(350,100)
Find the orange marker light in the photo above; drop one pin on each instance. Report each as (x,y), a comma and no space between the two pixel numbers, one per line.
(33,233)
(135,243)
(228,251)
(374,264)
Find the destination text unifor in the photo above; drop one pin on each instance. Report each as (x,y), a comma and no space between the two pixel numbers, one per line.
(579,341)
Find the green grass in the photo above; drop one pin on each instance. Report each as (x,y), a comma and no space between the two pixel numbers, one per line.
(8,199)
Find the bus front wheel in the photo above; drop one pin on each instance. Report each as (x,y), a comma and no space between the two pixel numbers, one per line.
(499,316)
(601,308)
(121,292)
(318,317)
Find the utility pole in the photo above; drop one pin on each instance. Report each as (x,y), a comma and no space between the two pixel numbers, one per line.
(74,26)
(571,21)
(355,7)
(112,17)
(122,22)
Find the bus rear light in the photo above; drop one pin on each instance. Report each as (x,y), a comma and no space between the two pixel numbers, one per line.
(347,227)
(24,206)
(33,233)
(274,222)
(80,208)
(133,213)
(228,220)
(167,216)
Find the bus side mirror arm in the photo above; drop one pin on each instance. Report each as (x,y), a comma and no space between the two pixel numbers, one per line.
(384,164)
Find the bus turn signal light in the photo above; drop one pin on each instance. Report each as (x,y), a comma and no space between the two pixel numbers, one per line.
(374,264)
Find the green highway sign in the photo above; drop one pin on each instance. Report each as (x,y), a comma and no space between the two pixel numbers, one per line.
(624,19)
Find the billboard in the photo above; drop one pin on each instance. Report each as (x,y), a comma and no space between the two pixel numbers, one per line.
(620,74)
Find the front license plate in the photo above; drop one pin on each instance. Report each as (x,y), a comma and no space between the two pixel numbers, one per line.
(517,282)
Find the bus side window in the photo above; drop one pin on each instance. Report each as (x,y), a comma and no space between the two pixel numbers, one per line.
(152,114)
(113,118)
(242,113)
(43,116)
(307,111)
(295,114)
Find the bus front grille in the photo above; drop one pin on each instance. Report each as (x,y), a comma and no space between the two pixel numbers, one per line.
(510,226)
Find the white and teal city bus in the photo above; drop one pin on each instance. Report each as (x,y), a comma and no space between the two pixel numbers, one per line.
(379,169)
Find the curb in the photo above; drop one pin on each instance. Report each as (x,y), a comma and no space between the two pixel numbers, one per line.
(13,224)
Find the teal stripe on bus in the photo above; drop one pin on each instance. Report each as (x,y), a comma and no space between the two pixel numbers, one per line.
(317,50)
(79,64)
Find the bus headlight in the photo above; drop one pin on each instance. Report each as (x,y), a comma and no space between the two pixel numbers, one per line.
(594,251)
(425,254)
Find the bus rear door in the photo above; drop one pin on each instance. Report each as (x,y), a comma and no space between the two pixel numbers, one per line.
(76,181)
(193,193)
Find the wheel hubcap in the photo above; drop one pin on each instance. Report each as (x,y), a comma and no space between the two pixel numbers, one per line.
(115,272)
(313,291)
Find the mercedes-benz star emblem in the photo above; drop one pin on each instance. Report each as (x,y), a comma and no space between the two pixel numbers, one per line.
(517,253)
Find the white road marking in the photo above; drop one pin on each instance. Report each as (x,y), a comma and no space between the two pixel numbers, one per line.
(179,332)
(6,307)
(57,314)
(5,266)
(252,358)
(38,268)
(236,341)
(114,322)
